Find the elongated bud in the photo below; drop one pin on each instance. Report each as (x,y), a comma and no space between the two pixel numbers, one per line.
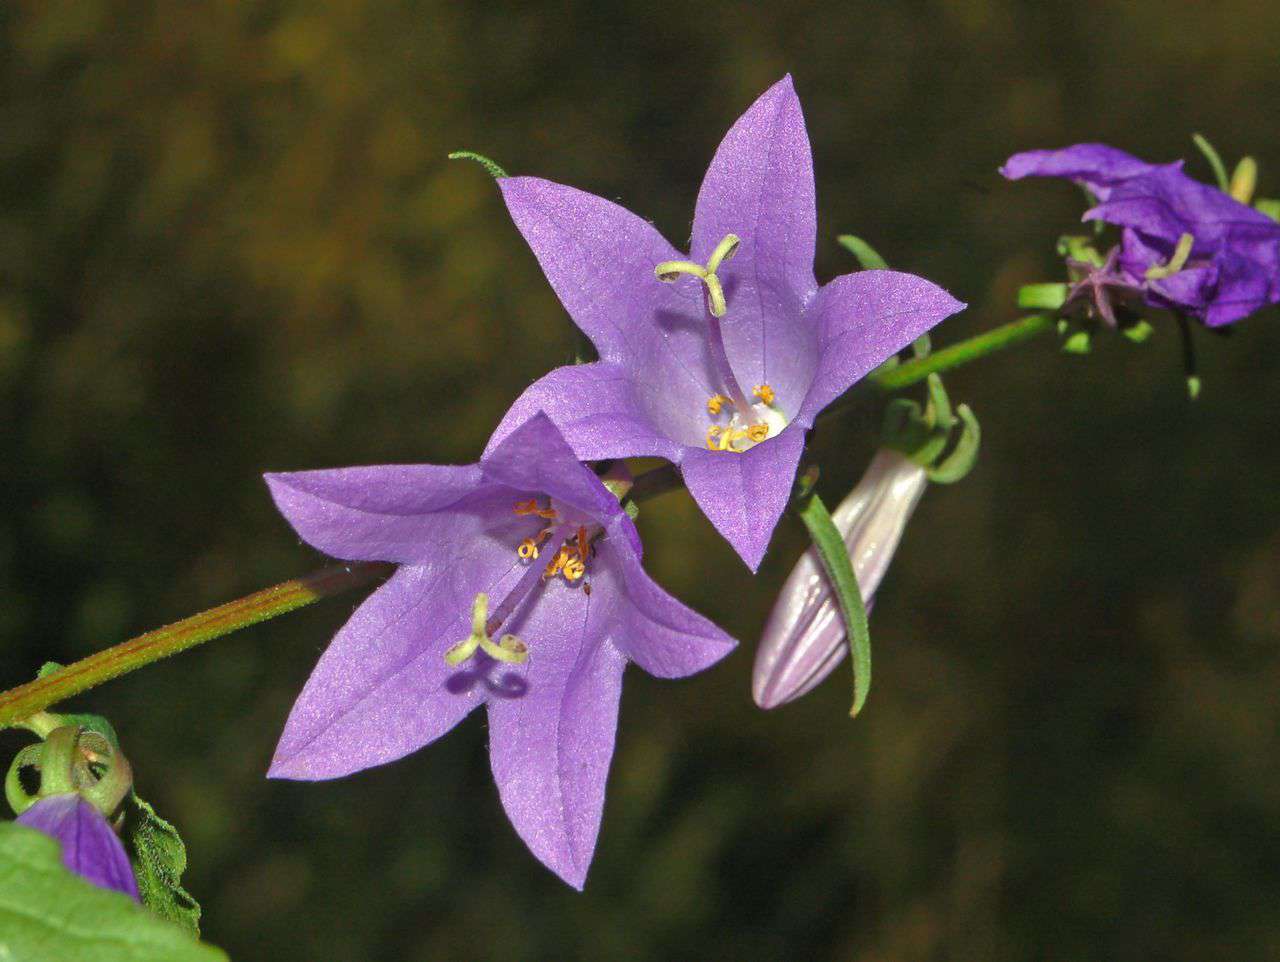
(804,638)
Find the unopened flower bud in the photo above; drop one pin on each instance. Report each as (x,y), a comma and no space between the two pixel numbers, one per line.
(804,639)
(90,846)
(83,779)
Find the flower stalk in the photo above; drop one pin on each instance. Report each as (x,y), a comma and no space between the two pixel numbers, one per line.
(19,703)
(989,342)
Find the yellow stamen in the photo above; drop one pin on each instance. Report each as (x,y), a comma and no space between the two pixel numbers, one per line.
(716,403)
(526,507)
(764,393)
(527,550)
(712,433)
(574,569)
(758,432)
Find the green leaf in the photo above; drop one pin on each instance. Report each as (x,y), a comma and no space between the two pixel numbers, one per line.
(159,858)
(835,561)
(48,913)
(867,255)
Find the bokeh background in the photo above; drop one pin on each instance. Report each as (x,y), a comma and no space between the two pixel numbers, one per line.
(230,242)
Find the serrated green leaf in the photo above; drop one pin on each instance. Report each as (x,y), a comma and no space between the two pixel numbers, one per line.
(834,556)
(48,914)
(159,858)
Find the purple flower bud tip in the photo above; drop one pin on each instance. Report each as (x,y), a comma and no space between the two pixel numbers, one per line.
(804,639)
(90,847)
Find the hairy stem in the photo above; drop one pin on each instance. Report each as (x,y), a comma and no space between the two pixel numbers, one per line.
(26,700)
(989,342)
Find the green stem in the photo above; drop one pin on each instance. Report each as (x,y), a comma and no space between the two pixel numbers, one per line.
(25,700)
(957,354)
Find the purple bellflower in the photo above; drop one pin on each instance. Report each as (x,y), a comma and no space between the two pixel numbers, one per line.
(722,369)
(1185,246)
(804,639)
(90,846)
(519,588)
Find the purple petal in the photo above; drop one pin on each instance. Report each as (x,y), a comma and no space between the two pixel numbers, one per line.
(535,457)
(743,495)
(602,414)
(1096,166)
(397,513)
(90,847)
(551,745)
(599,259)
(382,688)
(653,629)
(865,318)
(760,187)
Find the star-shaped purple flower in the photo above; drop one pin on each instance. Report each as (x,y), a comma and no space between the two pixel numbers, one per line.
(520,588)
(1188,246)
(90,846)
(723,369)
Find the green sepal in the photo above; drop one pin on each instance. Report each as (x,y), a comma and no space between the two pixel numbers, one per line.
(495,171)
(1139,331)
(835,562)
(1211,155)
(49,913)
(1269,206)
(1079,248)
(159,858)
(1043,297)
(1077,343)
(867,255)
(957,465)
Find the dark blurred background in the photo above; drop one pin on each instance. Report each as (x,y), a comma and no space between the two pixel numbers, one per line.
(230,242)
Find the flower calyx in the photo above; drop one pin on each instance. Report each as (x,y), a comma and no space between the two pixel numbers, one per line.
(925,434)
(71,760)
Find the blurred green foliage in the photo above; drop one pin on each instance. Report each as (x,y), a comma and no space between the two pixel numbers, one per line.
(230,242)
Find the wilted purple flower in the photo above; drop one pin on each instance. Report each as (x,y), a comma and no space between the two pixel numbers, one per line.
(723,370)
(804,639)
(90,847)
(528,542)
(1187,246)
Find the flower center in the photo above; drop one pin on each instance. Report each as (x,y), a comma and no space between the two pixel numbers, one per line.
(571,550)
(749,423)
(745,429)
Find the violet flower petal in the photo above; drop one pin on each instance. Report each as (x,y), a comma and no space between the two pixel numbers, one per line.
(550,748)
(1096,166)
(744,495)
(864,319)
(599,411)
(382,513)
(90,847)
(599,259)
(653,629)
(759,186)
(382,688)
